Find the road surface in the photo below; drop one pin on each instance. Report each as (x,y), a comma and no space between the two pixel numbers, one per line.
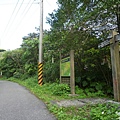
(17,103)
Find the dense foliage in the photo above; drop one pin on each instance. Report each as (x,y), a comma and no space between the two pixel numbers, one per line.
(78,25)
(51,93)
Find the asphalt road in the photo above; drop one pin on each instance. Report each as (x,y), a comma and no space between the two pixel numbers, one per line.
(17,103)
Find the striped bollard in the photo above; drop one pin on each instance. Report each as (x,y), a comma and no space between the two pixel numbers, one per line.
(40,74)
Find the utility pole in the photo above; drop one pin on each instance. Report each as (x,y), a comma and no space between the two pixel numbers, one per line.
(40,64)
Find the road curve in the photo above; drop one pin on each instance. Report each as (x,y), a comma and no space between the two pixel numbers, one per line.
(17,103)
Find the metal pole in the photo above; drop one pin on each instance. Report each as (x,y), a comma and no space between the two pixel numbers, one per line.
(40,64)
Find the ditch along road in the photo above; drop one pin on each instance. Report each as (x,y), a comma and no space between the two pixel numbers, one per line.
(17,103)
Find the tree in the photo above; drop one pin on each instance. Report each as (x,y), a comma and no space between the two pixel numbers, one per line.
(2,50)
(11,62)
(82,25)
(22,62)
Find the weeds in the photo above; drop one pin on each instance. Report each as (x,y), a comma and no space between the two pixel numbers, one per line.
(55,92)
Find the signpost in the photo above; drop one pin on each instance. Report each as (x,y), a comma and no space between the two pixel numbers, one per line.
(114,48)
(103,44)
(67,71)
(107,42)
(115,60)
(117,37)
(65,66)
(72,73)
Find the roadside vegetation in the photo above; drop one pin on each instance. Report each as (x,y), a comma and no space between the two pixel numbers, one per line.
(78,25)
(51,92)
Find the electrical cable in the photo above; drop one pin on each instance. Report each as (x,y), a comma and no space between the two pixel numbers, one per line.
(18,10)
(22,17)
(48,2)
(15,16)
(10,3)
(10,19)
(26,6)
(24,14)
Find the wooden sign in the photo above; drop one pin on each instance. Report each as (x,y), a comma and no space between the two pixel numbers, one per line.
(103,44)
(67,74)
(65,66)
(115,61)
(108,41)
(117,37)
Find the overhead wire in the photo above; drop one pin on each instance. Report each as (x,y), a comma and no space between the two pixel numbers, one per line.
(10,3)
(48,3)
(8,25)
(18,10)
(7,4)
(26,6)
(15,16)
(10,19)
(17,26)
(25,11)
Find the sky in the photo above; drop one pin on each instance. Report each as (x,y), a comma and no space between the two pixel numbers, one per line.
(18,18)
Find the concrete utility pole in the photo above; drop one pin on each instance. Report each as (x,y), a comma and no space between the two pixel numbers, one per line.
(40,64)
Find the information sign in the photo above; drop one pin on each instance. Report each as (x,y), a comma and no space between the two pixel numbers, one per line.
(65,66)
(103,44)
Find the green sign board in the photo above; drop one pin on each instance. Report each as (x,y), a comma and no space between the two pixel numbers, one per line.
(65,66)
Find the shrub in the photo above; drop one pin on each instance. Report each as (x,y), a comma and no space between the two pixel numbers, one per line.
(59,89)
(104,112)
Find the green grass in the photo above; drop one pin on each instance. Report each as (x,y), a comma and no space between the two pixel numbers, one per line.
(56,92)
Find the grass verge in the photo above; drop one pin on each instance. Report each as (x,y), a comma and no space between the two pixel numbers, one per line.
(56,92)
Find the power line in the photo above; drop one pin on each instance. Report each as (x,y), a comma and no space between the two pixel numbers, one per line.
(11,3)
(48,3)
(8,26)
(15,16)
(25,11)
(24,14)
(18,10)
(27,6)
(10,18)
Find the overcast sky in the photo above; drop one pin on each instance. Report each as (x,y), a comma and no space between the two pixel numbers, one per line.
(17,20)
